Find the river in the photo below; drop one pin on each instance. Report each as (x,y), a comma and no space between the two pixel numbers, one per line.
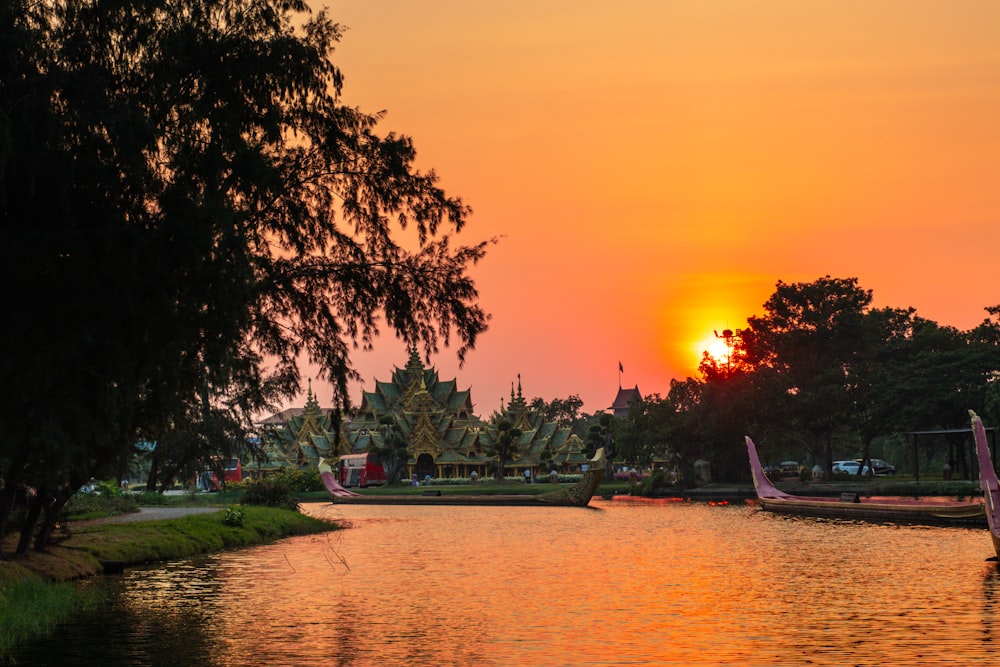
(619,583)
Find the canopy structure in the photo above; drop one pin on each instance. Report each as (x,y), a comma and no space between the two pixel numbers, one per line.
(915,435)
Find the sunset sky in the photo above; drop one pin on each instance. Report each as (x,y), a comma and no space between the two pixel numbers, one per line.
(656,166)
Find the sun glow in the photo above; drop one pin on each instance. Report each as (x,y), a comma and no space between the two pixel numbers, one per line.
(716,349)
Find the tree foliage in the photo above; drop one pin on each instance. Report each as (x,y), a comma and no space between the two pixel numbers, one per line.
(390,449)
(504,446)
(190,210)
(822,374)
(563,411)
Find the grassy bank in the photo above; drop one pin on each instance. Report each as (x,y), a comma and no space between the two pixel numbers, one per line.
(34,590)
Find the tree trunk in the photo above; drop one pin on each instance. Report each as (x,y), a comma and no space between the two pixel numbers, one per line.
(9,494)
(30,521)
(154,466)
(49,523)
(6,505)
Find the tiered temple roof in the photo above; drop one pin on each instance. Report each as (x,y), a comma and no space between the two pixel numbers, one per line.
(299,437)
(624,400)
(446,438)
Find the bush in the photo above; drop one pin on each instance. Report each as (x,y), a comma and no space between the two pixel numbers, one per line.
(83,505)
(304,480)
(234,517)
(649,486)
(298,480)
(272,491)
(151,498)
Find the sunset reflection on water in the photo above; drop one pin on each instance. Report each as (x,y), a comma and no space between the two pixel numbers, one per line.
(618,584)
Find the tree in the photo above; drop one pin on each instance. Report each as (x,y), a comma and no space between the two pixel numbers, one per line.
(563,411)
(189,210)
(945,373)
(504,447)
(804,345)
(872,375)
(600,435)
(390,448)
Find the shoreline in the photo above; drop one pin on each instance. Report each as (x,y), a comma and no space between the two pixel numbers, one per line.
(151,535)
(36,591)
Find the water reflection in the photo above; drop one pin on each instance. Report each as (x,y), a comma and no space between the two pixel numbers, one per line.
(675,584)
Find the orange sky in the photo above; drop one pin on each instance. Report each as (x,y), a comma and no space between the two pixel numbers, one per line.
(655,166)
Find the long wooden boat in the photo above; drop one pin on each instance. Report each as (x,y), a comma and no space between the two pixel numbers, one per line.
(987,480)
(853,506)
(578,495)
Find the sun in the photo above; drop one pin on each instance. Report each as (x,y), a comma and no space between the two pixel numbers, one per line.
(716,348)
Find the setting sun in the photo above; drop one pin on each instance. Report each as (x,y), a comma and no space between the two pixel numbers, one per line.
(716,348)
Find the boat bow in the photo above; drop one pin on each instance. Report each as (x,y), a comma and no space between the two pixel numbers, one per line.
(579,494)
(987,480)
(765,489)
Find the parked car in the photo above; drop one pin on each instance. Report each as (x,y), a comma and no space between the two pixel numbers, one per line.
(789,470)
(881,467)
(849,468)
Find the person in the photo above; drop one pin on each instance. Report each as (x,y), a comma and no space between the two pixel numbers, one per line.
(473,476)
(527,475)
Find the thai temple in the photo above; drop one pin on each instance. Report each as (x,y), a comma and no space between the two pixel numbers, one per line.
(445,438)
(624,400)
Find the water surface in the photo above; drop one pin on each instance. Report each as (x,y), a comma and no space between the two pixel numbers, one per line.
(618,584)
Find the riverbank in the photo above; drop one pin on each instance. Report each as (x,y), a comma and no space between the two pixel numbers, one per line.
(878,486)
(34,594)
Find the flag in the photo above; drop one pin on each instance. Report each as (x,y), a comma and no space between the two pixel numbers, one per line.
(620,369)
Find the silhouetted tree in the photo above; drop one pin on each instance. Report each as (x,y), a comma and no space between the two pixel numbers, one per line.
(804,345)
(189,209)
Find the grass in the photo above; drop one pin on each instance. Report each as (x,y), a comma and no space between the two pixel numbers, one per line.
(35,592)
(149,541)
(32,608)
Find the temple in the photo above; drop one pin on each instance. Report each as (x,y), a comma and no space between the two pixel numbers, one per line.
(624,400)
(298,438)
(445,438)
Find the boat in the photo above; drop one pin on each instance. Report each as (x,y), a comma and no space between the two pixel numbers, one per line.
(987,480)
(578,495)
(333,486)
(853,506)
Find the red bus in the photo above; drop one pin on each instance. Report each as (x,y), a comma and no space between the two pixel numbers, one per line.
(360,470)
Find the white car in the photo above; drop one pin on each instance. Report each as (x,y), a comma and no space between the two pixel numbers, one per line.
(848,467)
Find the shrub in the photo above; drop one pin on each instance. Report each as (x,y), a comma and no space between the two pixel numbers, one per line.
(649,486)
(151,498)
(271,492)
(307,479)
(234,517)
(98,504)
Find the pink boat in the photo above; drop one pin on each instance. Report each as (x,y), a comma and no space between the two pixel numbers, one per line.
(987,480)
(853,506)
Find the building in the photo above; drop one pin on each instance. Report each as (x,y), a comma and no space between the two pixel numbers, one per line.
(624,400)
(445,438)
(297,438)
